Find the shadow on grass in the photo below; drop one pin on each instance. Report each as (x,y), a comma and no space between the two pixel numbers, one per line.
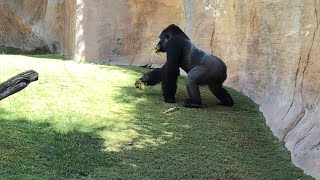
(33,150)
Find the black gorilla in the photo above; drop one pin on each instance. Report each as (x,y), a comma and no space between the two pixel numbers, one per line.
(201,68)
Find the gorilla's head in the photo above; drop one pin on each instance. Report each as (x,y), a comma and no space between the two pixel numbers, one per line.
(169,32)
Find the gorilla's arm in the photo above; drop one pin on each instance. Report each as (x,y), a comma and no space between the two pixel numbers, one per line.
(171,72)
(169,82)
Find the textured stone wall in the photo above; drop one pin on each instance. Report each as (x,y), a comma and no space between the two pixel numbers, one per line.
(272,51)
(30,24)
(14,27)
(271,48)
(123,31)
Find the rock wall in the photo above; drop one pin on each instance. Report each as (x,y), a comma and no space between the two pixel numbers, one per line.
(271,48)
(14,31)
(123,31)
(31,24)
(272,51)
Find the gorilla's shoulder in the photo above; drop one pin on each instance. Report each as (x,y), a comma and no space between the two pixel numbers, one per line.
(180,38)
(179,41)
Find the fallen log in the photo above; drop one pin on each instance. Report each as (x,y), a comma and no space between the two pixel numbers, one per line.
(17,83)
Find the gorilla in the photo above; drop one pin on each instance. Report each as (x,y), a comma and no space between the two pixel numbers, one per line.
(201,68)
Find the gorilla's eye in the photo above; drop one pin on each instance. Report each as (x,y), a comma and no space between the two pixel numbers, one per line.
(167,36)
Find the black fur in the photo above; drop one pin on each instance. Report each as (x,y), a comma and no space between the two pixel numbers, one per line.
(153,77)
(202,68)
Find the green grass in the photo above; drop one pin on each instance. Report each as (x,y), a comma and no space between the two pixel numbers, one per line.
(18,51)
(85,121)
(10,50)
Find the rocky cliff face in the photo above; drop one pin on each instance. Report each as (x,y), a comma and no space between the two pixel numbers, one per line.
(32,24)
(272,51)
(271,48)
(122,31)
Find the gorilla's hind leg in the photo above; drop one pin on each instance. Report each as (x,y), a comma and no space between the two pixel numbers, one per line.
(222,94)
(195,77)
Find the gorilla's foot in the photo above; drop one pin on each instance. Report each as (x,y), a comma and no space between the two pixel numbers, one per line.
(189,104)
(170,100)
(226,103)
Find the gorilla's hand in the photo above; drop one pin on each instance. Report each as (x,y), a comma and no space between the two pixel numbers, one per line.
(139,85)
(153,77)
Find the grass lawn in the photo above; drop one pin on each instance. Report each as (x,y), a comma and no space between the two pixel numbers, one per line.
(85,121)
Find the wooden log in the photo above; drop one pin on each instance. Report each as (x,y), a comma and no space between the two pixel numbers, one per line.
(17,83)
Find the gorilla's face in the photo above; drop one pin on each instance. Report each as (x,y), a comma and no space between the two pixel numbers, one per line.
(162,44)
(169,32)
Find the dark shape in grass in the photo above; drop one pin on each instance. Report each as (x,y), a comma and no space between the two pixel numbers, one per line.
(17,83)
(36,151)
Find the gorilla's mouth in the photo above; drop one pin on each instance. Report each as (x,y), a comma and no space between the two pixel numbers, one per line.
(157,48)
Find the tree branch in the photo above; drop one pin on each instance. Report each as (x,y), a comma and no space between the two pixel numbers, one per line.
(17,83)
